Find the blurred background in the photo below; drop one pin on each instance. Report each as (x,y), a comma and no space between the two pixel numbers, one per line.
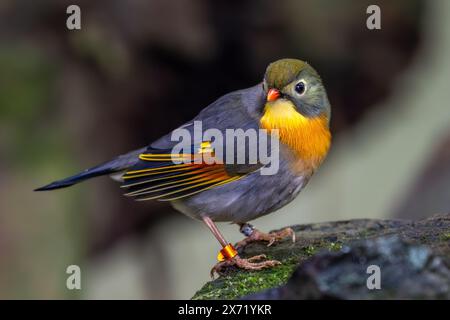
(138,68)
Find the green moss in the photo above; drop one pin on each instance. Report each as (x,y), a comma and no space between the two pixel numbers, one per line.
(236,283)
(335,246)
(240,283)
(445,236)
(309,250)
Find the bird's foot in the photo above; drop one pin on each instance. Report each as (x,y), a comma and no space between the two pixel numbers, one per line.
(250,264)
(256,235)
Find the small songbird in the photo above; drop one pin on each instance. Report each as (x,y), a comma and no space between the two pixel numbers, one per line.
(292,102)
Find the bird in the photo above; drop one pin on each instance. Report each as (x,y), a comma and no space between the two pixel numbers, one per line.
(290,105)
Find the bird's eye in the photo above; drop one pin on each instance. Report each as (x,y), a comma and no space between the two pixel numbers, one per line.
(300,87)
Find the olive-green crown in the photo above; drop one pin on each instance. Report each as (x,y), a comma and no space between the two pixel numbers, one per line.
(282,72)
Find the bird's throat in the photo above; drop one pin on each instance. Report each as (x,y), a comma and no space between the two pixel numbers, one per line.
(308,138)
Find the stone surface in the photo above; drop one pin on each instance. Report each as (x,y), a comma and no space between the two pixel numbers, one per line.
(330,260)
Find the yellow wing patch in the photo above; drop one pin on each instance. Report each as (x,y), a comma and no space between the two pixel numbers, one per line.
(161,176)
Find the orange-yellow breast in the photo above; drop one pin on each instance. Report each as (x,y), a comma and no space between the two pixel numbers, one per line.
(308,138)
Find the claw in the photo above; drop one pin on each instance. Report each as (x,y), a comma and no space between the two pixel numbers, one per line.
(257,258)
(246,264)
(271,237)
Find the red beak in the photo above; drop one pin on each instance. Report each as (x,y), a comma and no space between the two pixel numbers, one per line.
(273,95)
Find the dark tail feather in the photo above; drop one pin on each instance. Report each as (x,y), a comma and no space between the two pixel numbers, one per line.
(116,165)
(67,182)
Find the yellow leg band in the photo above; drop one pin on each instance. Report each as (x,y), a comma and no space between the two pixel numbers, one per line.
(227,253)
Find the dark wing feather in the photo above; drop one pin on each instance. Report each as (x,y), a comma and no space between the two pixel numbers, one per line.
(157,176)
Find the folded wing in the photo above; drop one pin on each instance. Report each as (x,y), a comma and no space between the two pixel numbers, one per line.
(164,176)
